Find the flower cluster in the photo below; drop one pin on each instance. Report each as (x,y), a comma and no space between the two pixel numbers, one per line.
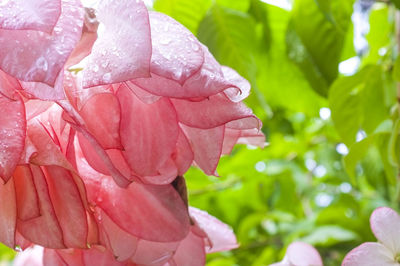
(104,110)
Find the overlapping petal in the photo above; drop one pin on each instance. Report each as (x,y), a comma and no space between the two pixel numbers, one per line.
(37,56)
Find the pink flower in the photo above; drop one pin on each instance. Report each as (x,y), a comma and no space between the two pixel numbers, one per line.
(300,254)
(385,224)
(207,235)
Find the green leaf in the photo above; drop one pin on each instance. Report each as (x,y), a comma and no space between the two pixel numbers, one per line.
(357,102)
(240,5)
(316,46)
(379,36)
(357,151)
(396,69)
(396,3)
(280,80)
(189,13)
(329,235)
(230,36)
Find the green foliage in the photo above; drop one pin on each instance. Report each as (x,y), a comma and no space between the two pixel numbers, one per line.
(300,187)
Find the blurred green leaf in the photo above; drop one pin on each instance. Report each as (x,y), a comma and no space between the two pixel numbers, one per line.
(329,235)
(316,46)
(189,13)
(351,99)
(230,36)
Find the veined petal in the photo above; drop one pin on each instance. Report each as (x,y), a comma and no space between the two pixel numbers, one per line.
(370,254)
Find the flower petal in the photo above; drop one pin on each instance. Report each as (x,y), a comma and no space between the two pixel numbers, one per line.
(123,51)
(191,251)
(37,56)
(39,15)
(149,132)
(206,145)
(370,254)
(12,134)
(303,254)
(221,235)
(385,224)
(176,53)
(8,214)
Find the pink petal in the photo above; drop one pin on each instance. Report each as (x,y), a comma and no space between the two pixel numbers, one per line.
(176,53)
(385,224)
(209,80)
(370,254)
(221,235)
(143,95)
(45,229)
(212,112)
(100,257)
(183,155)
(123,51)
(39,15)
(103,122)
(68,206)
(8,214)
(122,244)
(303,254)
(8,85)
(206,145)
(26,195)
(154,253)
(12,134)
(89,36)
(148,132)
(43,91)
(191,251)
(37,56)
(242,86)
(52,258)
(155,213)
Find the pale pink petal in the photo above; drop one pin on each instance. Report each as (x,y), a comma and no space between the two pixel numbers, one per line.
(143,95)
(176,53)
(43,91)
(149,132)
(52,258)
(8,214)
(221,235)
(303,254)
(214,111)
(242,89)
(151,212)
(370,254)
(385,224)
(167,173)
(37,56)
(123,51)
(209,80)
(206,145)
(32,256)
(12,134)
(39,15)
(191,251)
(154,253)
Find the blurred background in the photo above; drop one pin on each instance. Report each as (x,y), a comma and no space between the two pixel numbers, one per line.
(324,78)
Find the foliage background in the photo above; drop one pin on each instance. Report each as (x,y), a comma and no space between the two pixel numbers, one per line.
(333,136)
